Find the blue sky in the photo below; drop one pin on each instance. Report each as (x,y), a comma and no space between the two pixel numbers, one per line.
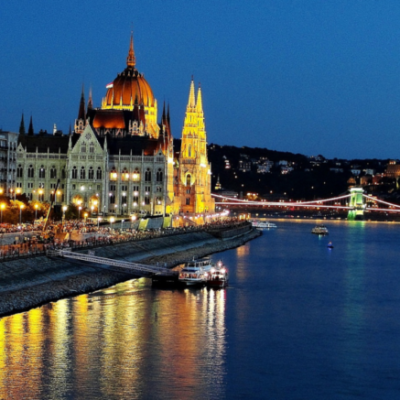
(311,77)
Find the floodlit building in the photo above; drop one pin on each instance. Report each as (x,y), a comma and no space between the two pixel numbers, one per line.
(119,159)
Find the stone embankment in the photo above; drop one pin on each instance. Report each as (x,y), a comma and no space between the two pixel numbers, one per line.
(29,282)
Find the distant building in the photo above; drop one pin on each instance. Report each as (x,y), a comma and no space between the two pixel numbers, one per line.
(8,147)
(244,166)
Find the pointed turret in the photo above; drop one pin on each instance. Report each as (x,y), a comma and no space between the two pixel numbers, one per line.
(82,112)
(90,101)
(192,101)
(30,129)
(131,59)
(199,101)
(22,126)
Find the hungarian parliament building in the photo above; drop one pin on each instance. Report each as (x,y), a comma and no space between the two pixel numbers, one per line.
(119,159)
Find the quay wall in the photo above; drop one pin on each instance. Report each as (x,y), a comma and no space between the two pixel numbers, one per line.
(32,281)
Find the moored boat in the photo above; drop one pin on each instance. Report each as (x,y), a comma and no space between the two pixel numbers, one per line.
(320,230)
(262,224)
(195,272)
(218,276)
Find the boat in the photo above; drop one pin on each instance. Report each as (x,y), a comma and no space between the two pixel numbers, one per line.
(262,224)
(218,276)
(330,245)
(320,230)
(195,272)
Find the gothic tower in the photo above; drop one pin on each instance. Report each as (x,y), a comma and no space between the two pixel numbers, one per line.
(194,173)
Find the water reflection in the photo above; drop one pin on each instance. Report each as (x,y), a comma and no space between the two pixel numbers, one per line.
(122,342)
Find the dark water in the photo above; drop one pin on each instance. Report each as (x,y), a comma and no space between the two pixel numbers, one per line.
(298,321)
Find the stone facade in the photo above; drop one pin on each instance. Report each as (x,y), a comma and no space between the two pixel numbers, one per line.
(8,147)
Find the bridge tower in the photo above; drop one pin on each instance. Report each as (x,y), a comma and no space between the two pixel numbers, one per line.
(357,203)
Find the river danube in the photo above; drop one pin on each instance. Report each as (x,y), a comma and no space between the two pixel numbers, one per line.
(298,321)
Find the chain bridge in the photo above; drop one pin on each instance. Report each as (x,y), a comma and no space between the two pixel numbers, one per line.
(356,203)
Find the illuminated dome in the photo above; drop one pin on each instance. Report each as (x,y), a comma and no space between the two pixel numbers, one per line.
(128,88)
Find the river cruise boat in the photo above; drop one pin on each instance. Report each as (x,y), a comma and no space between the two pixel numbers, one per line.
(195,272)
(320,230)
(218,276)
(262,224)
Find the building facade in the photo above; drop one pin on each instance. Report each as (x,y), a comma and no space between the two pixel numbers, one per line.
(8,147)
(119,160)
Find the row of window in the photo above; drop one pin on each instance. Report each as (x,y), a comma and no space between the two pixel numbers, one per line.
(90,174)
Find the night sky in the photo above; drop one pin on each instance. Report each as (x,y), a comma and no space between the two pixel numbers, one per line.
(310,77)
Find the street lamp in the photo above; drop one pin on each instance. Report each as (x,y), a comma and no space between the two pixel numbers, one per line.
(2,207)
(79,208)
(112,219)
(92,209)
(1,191)
(65,208)
(36,208)
(133,219)
(20,213)
(57,194)
(122,224)
(85,215)
(98,222)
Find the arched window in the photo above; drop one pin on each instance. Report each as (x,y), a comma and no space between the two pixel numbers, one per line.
(83,148)
(188,179)
(31,172)
(53,172)
(83,174)
(147,175)
(91,173)
(19,171)
(159,175)
(98,175)
(74,173)
(113,174)
(42,172)
(91,148)
(136,175)
(125,174)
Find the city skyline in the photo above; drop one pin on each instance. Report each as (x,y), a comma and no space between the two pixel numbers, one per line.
(292,76)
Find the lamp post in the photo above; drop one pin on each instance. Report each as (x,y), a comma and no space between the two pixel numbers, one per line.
(92,209)
(112,219)
(2,207)
(64,209)
(20,213)
(98,222)
(122,224)
(36,208)
(133,219)
(85,216)
(79,208)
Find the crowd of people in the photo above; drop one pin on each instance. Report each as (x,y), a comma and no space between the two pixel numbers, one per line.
(33,240)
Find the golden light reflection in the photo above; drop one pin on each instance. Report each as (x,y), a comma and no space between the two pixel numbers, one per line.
(110,340)
(59,349)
